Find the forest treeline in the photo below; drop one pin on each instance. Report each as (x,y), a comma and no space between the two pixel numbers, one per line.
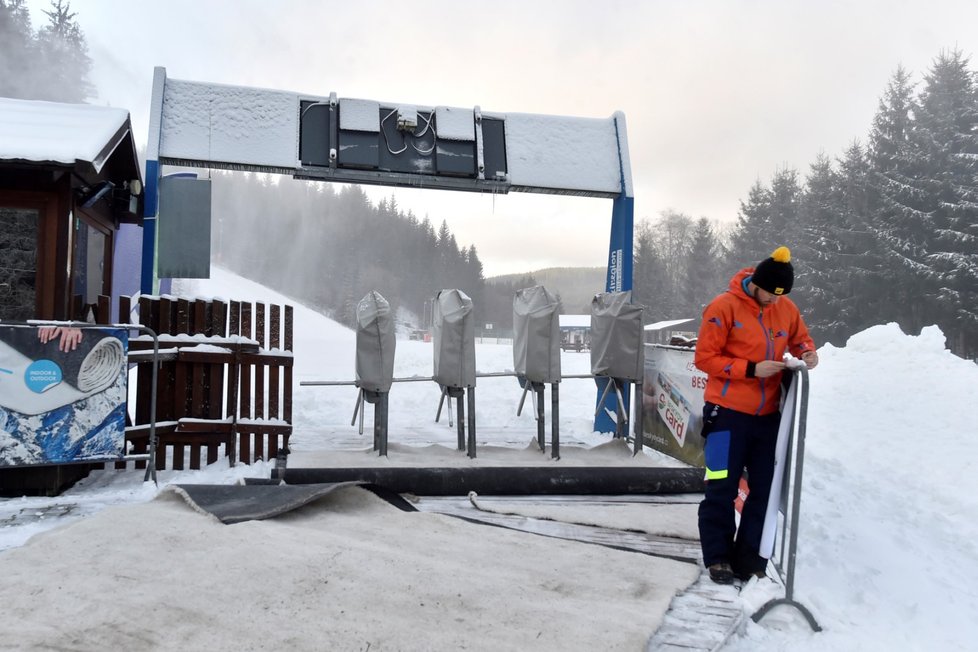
(329,245)
(887,231)
(49,63)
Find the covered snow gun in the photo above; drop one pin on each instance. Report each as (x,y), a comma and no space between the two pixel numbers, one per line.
(617,357)
(453,336)
(375,363)
(536,356)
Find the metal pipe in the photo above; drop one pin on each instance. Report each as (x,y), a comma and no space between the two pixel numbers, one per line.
(519,408)
(470,392)
(555,421)
(604,395)
(380,423)
(541,419)
(638,423)
(461,422)
(356,409)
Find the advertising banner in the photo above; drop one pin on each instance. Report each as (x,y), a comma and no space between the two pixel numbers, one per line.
(672,404)
(62,394)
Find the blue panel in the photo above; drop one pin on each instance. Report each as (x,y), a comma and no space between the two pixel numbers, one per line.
(618,279)
(150,207)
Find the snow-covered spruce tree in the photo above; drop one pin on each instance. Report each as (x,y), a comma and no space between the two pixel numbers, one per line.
(819,272)
(17,50)
(900,214)
(768,219)
(650,287)
(859,249)
(752,238)
(705,268)
(945,142)
(928,205)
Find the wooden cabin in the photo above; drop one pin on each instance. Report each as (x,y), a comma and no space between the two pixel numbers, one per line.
(69,180)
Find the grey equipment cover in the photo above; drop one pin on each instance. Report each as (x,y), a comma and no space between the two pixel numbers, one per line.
(375,343)
(536,335)
(453,334)
(616,337)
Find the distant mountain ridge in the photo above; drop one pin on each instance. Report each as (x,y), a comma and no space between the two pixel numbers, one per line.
(575,285)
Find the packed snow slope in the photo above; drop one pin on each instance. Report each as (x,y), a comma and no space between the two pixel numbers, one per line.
(887,552)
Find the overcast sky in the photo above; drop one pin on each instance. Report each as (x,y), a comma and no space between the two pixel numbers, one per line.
(717,94)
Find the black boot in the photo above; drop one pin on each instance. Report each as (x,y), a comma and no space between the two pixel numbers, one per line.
(721,573)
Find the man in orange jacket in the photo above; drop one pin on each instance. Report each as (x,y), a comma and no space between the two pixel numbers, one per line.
(743,337)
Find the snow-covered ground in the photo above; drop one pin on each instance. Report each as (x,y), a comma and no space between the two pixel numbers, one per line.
(887,553)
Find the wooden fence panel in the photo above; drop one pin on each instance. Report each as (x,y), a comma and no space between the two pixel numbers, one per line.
(208,399)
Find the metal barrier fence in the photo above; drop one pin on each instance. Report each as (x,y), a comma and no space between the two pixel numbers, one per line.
(790,504)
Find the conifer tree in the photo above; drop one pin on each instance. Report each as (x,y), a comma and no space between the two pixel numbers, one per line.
(64,56)
(816,254)
(703,269)
(945,147)
(899,204)
(752,239)
(861,295)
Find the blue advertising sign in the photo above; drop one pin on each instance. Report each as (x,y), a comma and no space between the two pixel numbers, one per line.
(63,393)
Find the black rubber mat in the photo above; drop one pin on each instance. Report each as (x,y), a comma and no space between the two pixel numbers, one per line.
(509,481)
(252,502)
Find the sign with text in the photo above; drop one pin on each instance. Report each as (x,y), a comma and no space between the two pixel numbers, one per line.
(62,394)
(672,403)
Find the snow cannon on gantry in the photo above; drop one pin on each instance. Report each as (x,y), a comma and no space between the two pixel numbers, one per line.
(536,356)
(618,357)
(330,138)
(453,336)
(375,363)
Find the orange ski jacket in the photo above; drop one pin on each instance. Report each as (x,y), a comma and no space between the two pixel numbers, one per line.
(735,331)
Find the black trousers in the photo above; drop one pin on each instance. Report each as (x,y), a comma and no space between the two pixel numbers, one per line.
(736,442)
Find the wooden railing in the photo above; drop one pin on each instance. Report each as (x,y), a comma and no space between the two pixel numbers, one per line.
(224,384)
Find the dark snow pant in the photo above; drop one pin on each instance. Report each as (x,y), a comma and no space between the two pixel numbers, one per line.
(737,441)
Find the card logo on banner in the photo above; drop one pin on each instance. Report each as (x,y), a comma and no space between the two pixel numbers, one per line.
(672,407)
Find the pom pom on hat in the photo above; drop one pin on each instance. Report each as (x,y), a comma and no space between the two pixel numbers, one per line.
(775,274)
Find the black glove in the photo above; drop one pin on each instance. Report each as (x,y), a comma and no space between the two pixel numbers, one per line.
(711,411)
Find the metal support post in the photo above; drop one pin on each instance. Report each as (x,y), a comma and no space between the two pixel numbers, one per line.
(555,421)
(380,423)
(471,396)
(460,405)
(638,422)
(541,417)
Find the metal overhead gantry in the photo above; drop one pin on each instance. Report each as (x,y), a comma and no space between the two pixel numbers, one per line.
(331,138)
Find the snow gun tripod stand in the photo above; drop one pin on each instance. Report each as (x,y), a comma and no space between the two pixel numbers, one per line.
(621,409)
(379,399)
(538,410)
(458,393)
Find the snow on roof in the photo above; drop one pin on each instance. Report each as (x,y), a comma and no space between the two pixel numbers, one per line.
(54,132)
(575,321)
(661,325)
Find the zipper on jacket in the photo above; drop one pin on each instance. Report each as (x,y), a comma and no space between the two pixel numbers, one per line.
(769,355)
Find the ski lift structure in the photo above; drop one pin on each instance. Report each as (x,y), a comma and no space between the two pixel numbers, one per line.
(330,138)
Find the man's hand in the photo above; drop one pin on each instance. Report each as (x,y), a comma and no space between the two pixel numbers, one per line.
(810,358)
(767,368)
